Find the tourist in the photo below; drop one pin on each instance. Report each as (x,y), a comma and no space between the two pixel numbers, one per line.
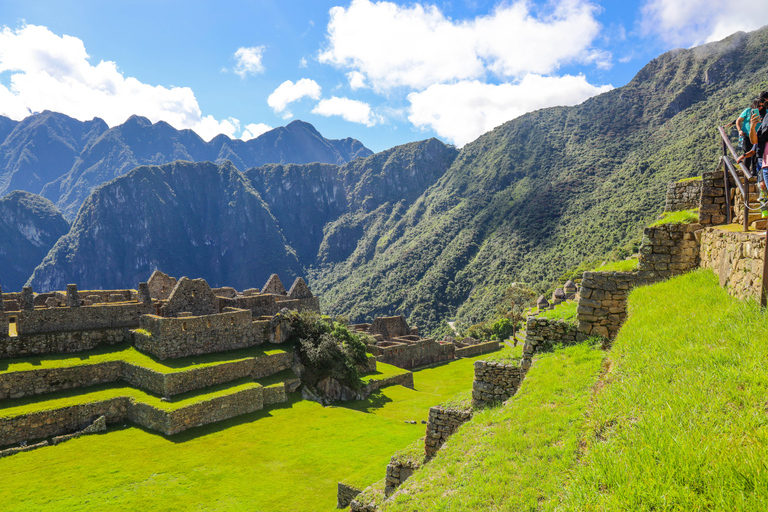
(743,125)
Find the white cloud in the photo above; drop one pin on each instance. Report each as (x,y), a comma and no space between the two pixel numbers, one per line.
(692,22)
(303,62)
(351,110)
(51,72)
(249,61)
(253,130)
(463,111)
(356,80)
(417,46)
(288,92)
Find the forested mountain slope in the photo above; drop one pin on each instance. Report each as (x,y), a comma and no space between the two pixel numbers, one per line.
(542,192)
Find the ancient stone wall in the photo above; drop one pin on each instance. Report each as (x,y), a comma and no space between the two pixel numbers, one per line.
(669,247)
(345,494)
(191,296)
(542,334)
(494,382)
(477,349)
(603,299)
(712,208)
(85,318)
(168,338)
(48,423)
(683,195)
(423,352)
(390,327)
(404,379)
(736,258)
(440,425)
(398,471)
(275,394)
(259,305)
(42,424)
(37,382)
(59,342)
(48,380)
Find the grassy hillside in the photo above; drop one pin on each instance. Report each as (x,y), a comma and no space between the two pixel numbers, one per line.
(676,421)
(545,191)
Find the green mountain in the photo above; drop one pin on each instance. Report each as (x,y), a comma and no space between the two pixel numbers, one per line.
(29,226)
(422,229)
(545,191)
(188,219)
(64,159)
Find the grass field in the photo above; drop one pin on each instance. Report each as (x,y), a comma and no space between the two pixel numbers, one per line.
(288,457)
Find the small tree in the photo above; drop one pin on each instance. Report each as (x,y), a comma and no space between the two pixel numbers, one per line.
(327,349)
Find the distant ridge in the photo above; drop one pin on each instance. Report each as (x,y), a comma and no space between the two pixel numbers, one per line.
(64,159)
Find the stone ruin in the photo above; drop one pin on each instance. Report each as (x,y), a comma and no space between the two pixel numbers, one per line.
(394,342)
(165,317)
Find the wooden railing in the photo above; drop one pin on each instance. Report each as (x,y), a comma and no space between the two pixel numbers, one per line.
(730,170)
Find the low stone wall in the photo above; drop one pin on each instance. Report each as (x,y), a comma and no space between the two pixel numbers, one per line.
(83,318)
(215,410)
(267,365)
(736,258)
(476,350)
(423,352)
(345,494)
(48,380)
(670,247)
(441,424)
(49,423)
(398,471)
(494,382)
(38,382)
(404,379)
(542,334)
(169,338)
(100,425)
(42,424)
(712,209)
(603,299)
(683,195)
(275,394)
(64,342)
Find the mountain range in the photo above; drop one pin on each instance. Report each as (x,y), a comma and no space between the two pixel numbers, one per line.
(420,229)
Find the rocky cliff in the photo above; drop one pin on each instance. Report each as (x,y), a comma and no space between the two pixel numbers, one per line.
(29,226)
(187,219)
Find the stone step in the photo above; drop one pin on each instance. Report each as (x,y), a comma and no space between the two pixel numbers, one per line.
(760,225)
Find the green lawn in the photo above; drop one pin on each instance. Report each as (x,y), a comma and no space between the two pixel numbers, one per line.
(128,353)
(681,422)
(288,457)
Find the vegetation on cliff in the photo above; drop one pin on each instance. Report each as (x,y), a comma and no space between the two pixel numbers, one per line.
(29,226)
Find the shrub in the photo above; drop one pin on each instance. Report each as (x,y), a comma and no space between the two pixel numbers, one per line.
(327,349)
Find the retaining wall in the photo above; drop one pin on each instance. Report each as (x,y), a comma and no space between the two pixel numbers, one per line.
(476,350)
(736,258)
(83,318)
(58,342)
(423,352)
(36,382)
(398,471)
(683,195)
(669,248)
(441,424)
(712,209)
(494,382)
(345,494)
(43,424)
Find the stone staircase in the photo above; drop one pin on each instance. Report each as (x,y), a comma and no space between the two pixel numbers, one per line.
(756,220)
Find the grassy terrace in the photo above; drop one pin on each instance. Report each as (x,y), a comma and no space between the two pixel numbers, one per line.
(129,354)
(61,399)
(677,421)
(288,457)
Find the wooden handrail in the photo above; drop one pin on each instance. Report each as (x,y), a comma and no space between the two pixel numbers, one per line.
(727,144)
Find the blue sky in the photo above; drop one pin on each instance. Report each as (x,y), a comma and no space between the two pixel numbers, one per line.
(385,73)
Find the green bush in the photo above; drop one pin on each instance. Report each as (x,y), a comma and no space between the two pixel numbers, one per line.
(327,349)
